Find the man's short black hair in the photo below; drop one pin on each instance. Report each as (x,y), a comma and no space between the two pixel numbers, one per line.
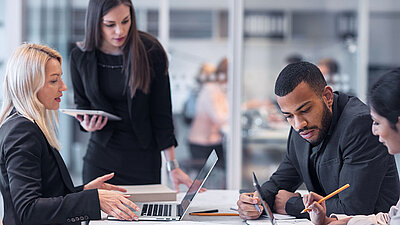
(295,73)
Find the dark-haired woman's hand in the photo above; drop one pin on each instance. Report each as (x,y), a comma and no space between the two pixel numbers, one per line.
(318,210)
(92,123)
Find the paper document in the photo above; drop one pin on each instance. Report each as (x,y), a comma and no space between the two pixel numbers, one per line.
(263,221)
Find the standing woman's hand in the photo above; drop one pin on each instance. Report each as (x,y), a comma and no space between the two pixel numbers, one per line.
(179,177)
(92,123)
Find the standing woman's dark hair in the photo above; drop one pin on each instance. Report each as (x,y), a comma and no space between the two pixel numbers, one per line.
(384,96)
(136,64)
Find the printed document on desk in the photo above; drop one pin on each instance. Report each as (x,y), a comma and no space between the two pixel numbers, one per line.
(264,220)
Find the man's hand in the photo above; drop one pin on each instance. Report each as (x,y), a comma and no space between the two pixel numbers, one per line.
(281,198)
(246,205)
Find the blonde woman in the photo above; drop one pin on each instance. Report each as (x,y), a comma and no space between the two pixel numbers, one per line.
(34,181)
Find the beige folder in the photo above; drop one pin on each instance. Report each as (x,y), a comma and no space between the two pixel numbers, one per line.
(150,193)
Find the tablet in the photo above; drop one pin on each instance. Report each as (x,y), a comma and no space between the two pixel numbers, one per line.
(264,203)
(75,112)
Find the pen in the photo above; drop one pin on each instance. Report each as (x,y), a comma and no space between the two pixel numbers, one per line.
(214,214)
(207,211)
(256,206)
(328,196)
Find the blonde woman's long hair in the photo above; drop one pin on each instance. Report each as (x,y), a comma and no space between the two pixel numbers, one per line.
(25,76)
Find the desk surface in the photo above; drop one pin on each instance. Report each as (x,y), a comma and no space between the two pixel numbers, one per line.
(222,200)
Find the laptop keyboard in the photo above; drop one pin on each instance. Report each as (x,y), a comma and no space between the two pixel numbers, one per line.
(156,210)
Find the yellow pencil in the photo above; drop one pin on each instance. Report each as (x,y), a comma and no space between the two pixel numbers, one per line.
(214,214)
(328,196)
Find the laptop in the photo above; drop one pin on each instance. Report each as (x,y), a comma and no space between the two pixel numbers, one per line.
(267,209)
(174,211)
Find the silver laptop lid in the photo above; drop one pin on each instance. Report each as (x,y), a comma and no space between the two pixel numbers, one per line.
(199,181)
(264,203)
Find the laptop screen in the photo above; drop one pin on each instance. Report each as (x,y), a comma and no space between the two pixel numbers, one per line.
(199,181)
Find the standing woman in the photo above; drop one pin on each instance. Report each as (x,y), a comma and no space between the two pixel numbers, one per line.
(124,71)
(34,181)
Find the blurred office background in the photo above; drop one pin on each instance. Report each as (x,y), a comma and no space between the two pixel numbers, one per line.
(257,36)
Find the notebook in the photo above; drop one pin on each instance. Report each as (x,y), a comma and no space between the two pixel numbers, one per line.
(174,211)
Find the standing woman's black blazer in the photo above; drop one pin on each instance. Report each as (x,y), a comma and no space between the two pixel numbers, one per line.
(35,183)
(150,114)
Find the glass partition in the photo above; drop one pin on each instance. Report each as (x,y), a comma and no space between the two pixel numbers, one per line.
(198,43)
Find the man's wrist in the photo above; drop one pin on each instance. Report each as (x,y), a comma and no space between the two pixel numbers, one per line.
(172,164)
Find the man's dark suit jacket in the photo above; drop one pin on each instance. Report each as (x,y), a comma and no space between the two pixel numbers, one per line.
(350,154)
(35,183)
(150,114)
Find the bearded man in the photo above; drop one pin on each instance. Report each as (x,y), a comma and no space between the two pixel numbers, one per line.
(330,144)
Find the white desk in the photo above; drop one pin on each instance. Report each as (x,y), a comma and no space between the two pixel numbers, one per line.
(222,200)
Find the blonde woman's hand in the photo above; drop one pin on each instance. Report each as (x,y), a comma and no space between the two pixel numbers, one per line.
(93,123)
(116,205)
(99,183)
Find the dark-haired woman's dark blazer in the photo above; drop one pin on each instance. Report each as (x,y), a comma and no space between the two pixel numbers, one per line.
(150,114)
(35,183)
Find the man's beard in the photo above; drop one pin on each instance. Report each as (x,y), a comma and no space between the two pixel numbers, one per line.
(323,130)
(325,124)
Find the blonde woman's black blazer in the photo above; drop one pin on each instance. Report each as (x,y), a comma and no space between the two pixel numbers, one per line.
(150,114)
(35,183)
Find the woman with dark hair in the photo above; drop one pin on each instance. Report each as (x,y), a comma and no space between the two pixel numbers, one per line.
(124,71)
(384,99)
(34,181)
